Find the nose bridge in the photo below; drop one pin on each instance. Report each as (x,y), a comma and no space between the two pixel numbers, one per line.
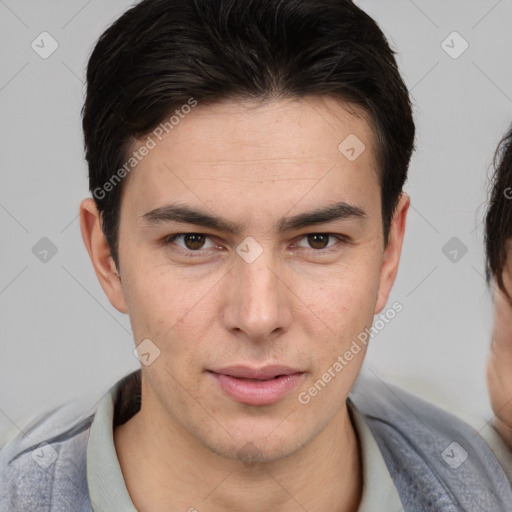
(258,306)
(260,280)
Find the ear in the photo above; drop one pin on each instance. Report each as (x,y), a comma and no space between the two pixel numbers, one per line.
(392,252)
(99,252)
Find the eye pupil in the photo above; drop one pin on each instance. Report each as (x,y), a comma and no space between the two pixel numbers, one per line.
(194,241)
(318,241)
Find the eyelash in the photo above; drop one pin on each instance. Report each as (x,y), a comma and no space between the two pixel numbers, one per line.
(190,253)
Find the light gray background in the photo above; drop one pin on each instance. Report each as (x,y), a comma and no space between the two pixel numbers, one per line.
(60,336)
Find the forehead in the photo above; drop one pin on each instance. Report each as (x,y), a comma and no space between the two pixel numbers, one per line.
(311,146)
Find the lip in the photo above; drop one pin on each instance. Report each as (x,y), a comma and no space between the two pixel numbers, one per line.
(264,373)
(257,386)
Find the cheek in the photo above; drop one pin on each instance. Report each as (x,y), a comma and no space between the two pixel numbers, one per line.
(345,300)
(154,303)
(175,313)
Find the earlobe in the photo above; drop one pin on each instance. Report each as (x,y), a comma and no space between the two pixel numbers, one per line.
(99,252)
(392,252)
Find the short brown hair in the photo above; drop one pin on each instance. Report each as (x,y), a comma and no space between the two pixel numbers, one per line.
(161,53)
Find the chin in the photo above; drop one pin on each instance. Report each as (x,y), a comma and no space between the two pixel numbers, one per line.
(259,446)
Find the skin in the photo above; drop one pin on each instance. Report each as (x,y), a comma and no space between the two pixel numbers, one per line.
(191,445)
(499,367)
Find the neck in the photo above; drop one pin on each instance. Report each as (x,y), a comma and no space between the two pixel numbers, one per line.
(163,470)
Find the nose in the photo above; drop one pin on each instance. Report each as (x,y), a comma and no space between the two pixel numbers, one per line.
(257,300)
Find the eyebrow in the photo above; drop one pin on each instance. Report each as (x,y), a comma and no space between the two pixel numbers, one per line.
(184,214)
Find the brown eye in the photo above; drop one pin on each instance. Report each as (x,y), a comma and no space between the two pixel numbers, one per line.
(194,241)
(318,241)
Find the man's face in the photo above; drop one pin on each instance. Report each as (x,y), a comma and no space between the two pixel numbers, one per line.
(288,300)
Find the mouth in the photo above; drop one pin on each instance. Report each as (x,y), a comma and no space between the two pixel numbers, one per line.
(257,386)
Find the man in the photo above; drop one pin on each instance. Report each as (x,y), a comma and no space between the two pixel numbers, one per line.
(498,233)
(246,163)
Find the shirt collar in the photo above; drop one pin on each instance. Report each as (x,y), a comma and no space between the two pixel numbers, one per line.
(379,490)
(107,488)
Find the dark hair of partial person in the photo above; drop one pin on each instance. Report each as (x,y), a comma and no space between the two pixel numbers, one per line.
(161,53)
(498,219)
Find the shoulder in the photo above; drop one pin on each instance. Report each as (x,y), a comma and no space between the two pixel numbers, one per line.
(47,457)
(430,452)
